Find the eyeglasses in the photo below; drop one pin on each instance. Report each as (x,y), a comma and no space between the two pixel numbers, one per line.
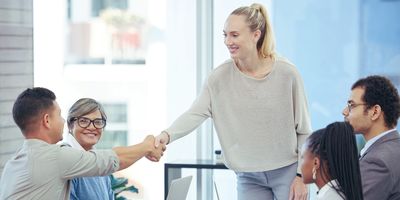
(353,105)
(84,122)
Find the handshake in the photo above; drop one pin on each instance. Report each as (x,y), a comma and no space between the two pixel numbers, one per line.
(156,146)
(152,148)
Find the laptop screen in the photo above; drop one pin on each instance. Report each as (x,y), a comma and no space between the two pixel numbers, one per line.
(179,188)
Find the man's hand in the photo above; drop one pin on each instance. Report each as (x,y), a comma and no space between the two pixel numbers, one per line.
(298,190)
(156,152)
(130,154)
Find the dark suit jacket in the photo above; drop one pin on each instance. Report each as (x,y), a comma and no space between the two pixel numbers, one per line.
(380,169)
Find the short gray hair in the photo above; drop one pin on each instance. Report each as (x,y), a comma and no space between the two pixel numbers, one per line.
(82,107)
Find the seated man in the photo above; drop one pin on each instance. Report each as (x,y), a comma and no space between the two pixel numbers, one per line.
(373,110)
(41,169)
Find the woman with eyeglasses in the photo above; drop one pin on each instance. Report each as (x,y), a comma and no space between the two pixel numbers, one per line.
(86,121)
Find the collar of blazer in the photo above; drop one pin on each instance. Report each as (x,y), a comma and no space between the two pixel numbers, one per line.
(393,135)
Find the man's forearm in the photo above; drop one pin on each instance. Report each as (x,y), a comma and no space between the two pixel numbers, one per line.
(129,155)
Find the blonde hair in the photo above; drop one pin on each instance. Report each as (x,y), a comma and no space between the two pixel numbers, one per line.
(257,19)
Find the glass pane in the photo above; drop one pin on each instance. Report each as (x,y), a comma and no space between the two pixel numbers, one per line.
(99,5)
(106,32)
(110,139)
(334,44)
(116,113)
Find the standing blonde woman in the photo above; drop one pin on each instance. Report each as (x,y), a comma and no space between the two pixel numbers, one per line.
(258,104)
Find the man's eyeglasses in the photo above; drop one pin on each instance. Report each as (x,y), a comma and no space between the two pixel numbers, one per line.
(353,105)
(84,122)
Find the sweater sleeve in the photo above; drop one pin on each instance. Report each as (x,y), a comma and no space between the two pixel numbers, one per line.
(199,111)
(301,115)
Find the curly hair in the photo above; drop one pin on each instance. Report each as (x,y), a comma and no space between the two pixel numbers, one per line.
(378,90)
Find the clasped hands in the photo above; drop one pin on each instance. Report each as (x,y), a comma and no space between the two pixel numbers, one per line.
(157,146)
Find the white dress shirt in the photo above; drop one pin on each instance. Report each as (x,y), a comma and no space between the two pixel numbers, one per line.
(328,192)
(373,140)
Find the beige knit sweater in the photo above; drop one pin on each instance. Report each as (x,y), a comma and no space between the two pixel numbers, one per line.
(261,123)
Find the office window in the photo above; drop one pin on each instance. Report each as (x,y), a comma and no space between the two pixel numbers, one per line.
(99,5)
(333,45)
(116,113)
(116,131)
(106,32)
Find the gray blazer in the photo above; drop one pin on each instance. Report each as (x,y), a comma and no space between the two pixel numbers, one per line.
(380,169)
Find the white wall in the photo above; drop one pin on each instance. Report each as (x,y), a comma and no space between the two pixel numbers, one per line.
(16,68)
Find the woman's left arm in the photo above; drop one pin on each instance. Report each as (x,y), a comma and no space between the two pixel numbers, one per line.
(298,190)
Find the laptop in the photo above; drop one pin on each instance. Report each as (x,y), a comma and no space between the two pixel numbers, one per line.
(179,188)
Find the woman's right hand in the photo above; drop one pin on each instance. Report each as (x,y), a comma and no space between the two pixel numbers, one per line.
(162,138)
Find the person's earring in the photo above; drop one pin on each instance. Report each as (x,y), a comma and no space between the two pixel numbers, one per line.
(314,173)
